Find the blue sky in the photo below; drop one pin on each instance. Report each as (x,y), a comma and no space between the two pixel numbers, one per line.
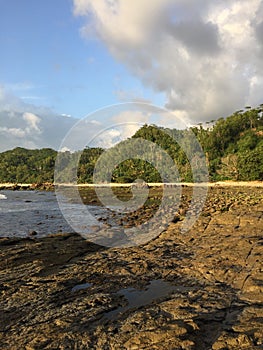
(44,60)
(199,60)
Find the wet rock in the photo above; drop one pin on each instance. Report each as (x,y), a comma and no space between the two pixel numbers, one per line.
(215,269)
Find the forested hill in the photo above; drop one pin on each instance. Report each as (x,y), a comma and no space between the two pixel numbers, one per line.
(233,148)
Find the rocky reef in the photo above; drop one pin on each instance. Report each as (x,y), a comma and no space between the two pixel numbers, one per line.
(195,290)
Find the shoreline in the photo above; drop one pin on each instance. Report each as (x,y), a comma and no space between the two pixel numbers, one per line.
(208,285)
(49,186)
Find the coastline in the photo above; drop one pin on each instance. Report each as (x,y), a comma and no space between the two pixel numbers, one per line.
(50,186)
(64,292)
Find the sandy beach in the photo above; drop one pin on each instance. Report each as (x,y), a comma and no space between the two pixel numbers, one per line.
(188,184)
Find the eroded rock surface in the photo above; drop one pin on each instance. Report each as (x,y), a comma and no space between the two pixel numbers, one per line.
(62,292)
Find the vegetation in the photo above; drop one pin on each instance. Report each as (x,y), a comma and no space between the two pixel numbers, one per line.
(27,166)
(234,146)
(233,149)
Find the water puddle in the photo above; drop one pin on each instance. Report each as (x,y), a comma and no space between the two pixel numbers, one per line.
(81,286)
(136,298)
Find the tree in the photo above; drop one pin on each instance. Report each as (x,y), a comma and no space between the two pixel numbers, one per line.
(229,167)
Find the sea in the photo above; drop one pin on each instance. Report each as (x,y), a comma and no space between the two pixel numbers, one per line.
(22,212)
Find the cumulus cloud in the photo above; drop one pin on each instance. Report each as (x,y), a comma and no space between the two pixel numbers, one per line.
(108,138)
(120,122)
(32,121)
(205,56)
(128,122)
(19,133)
(29,126)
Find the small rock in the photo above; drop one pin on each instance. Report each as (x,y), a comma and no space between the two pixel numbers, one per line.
(32,233)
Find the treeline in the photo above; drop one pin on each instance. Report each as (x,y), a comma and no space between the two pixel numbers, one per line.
(232,150)
(233,147)
(22,165)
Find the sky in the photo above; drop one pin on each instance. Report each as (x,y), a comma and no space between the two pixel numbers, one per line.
(63,60)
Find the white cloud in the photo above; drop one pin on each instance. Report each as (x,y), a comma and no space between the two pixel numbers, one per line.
(29,126)
(108,138)
(128,122)
(64,149)
(32,121)
(12,132)
(95,122)
(32,98)
(131,116)
(205,56)
(66,115)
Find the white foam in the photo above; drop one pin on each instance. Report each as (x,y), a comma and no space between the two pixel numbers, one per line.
(2,196)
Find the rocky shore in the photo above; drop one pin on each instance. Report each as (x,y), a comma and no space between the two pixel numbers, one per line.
(195,290)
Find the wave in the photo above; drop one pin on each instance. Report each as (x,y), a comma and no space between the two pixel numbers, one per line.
(2,196)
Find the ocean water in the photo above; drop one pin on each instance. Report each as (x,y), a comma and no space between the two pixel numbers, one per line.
(22,212)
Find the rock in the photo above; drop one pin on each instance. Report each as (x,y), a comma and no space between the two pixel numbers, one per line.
(215,269)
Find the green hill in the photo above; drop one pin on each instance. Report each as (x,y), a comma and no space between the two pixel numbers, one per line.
(233,149)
